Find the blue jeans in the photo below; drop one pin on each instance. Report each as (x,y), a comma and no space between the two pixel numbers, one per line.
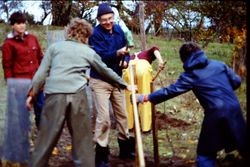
(205,161)
(17,125)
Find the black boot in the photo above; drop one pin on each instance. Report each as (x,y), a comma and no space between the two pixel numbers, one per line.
(127,148)
(132,145)
(101,156)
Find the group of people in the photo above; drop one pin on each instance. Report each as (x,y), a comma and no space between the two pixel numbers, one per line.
(61,75)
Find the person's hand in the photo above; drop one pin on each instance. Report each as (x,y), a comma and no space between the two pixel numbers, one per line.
(138,97)
(123,51)
(29,102)
(161,66)
(123,64)
(129,87)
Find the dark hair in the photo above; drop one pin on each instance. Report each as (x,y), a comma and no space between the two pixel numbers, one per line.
(17,17)
(187,49)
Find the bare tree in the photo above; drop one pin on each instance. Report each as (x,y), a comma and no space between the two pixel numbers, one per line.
(63,10)
(9,6)
(183,19)
(46,7)
(228,20)
(155,13)
(83,9)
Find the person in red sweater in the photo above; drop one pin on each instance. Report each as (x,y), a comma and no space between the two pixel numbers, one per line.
(21,56)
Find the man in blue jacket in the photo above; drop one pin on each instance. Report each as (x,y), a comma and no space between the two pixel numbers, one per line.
(109,41)
(213,83)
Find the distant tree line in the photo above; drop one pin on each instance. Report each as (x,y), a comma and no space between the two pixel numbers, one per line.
(203,21)
(189,19)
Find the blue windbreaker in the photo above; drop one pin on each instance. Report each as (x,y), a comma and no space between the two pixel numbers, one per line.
(213,83)
(106,45)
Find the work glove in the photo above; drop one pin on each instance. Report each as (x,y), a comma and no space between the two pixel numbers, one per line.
(139,98)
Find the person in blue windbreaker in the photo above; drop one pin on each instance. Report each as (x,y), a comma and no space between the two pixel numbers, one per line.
(213,83)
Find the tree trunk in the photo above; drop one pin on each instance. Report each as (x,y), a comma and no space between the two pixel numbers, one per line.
(61,11)
(239,61)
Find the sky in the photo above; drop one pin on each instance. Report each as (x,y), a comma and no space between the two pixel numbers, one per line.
(33,8)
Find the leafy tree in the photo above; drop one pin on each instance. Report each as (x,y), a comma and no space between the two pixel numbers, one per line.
(155,13)
(224,14)
(228,20)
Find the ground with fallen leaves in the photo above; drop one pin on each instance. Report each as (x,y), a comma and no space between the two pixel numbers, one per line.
(61,156)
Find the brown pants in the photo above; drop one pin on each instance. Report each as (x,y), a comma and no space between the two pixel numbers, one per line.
(103,94)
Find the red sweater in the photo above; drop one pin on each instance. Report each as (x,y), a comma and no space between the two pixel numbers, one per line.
(21,56)
(146,55)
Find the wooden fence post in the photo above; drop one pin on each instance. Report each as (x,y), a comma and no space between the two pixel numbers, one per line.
(142,31)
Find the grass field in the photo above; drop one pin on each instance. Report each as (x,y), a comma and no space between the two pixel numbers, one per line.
(181,116)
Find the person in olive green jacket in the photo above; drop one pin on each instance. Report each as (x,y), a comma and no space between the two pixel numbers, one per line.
(63,74)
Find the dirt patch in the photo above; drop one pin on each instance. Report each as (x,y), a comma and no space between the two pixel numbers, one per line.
(63,157)
(163,121)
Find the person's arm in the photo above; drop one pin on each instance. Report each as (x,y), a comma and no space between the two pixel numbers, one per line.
(182,85)
(42,72)
(30,99)
(39,79)
(159,58)
(107,73)
(102,48)
(7,60)
(234,79)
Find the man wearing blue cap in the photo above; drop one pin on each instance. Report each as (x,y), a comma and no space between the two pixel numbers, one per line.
(109,41)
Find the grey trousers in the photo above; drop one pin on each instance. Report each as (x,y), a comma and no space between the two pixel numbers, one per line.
(58,109)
